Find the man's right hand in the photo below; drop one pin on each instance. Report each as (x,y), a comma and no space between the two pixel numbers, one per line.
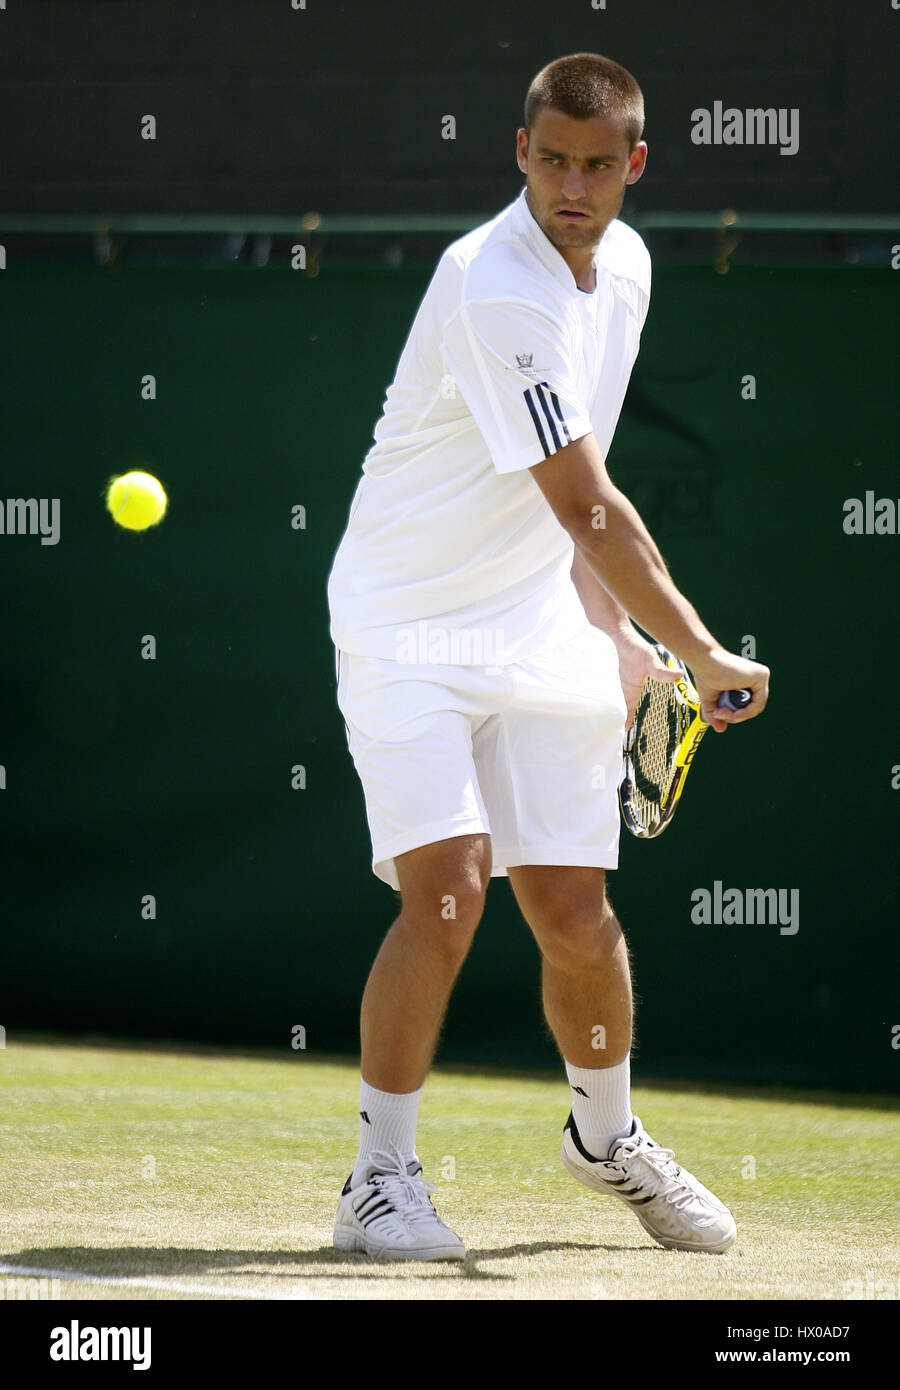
(721,670)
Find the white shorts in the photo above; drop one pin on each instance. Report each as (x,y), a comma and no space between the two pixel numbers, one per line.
(529,753)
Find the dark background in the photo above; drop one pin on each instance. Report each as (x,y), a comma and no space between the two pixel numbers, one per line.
(266,109)
(126,777)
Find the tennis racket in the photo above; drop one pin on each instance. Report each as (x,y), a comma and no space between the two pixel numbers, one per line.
(661,745)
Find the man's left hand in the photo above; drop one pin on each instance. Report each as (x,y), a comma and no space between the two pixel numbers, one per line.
(637,662)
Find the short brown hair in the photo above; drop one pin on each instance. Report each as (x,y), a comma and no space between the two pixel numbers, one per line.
(587,84)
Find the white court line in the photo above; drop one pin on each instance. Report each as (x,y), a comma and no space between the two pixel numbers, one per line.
(145,1282)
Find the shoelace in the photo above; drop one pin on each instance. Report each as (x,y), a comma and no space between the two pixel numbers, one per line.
(409,1195)
(662,1163)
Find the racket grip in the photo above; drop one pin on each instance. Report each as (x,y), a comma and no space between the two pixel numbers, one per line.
(734,699)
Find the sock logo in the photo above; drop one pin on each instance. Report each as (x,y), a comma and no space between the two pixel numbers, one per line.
(364,1116)
(580,1091)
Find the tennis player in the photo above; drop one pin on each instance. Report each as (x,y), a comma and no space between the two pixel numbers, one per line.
(481,604)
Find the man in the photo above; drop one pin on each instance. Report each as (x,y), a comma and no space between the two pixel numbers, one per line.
(481,602)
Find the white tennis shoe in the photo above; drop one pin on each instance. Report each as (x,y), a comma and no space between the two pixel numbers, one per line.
(674,1206)
(390,1215)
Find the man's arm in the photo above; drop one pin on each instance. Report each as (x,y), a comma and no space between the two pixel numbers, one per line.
(601,608)
(637,659)
(623,556)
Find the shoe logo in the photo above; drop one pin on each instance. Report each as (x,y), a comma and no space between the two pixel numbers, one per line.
(580,1091)
(364,1116)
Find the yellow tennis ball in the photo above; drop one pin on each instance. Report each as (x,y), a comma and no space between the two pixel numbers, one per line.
(136,500)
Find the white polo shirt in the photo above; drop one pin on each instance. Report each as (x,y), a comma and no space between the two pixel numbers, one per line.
(451,552)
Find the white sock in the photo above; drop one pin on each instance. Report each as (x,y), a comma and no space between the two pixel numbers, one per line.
(385,1119)
(601,1104)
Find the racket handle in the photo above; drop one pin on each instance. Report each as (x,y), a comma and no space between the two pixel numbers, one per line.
(735,699)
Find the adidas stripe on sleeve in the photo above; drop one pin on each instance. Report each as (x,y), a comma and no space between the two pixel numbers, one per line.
(511,364)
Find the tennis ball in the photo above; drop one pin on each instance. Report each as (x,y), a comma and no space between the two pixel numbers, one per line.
(136,500)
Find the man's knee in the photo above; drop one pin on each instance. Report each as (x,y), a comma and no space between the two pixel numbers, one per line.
(443,888)
(572,918)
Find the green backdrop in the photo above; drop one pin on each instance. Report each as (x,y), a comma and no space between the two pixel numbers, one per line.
(173,777)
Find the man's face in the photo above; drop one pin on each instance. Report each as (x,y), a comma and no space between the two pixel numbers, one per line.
(576,174)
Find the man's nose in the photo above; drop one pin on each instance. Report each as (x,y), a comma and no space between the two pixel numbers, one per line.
(573,184)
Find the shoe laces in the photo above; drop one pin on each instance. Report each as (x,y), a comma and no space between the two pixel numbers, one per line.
(410,1195)
(663,1168)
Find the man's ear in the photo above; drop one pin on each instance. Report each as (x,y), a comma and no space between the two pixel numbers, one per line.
(634,174)
(522,149)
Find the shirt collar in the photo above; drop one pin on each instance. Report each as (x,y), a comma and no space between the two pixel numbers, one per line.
(545,249)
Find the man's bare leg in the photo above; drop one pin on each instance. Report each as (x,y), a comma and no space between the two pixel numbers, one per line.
(442,888)
(586,974)
(385,1208)
(586,991)
(587,999)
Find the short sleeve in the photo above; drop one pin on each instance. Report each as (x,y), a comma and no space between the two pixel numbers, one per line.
(512,366)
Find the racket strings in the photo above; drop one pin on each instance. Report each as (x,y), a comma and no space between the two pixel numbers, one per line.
(653,750)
